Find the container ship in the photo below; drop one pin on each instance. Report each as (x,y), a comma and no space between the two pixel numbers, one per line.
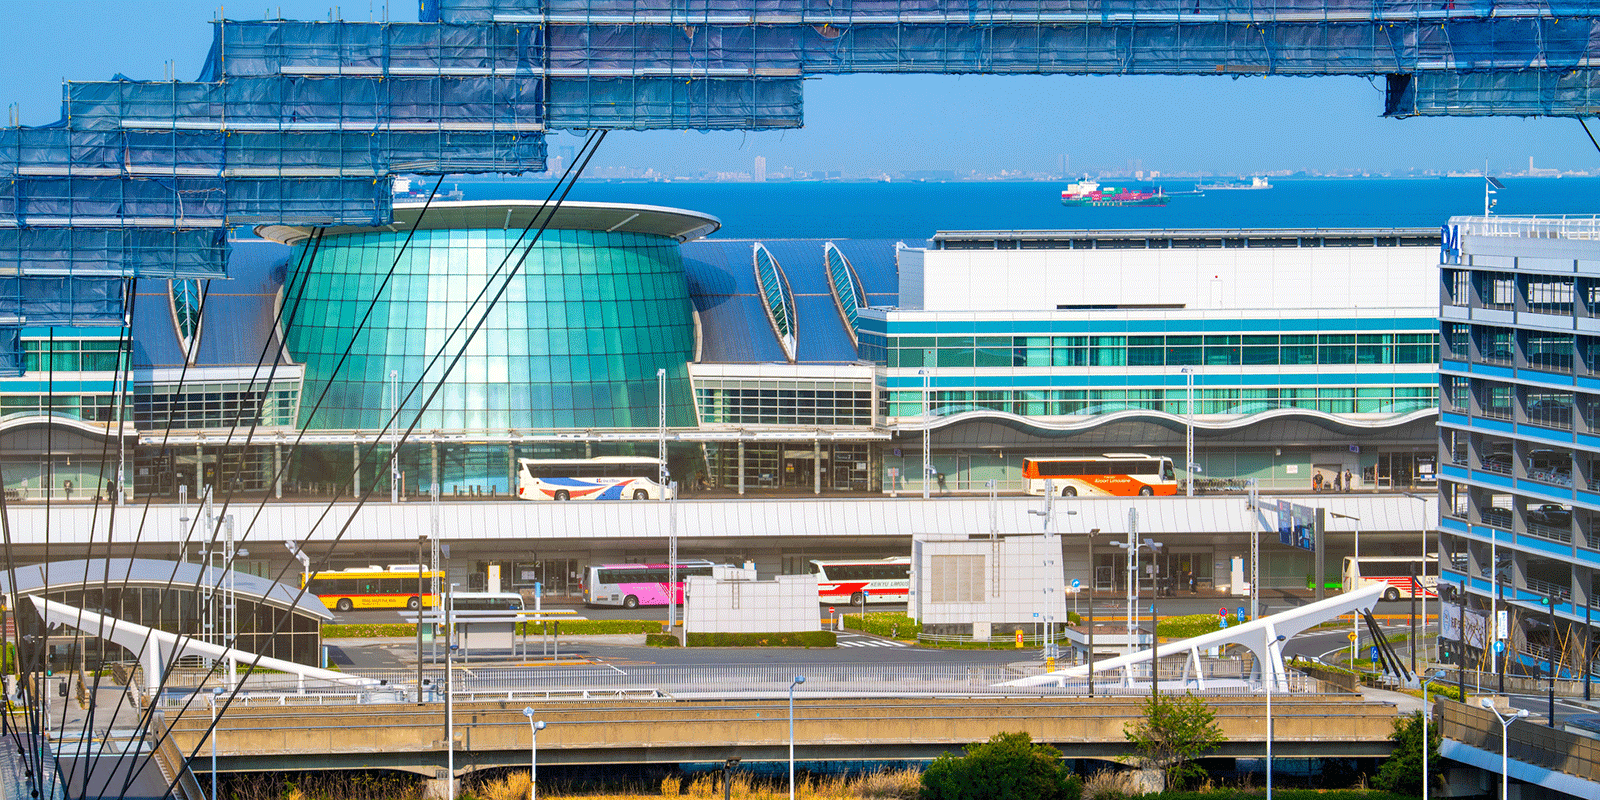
(1089,193)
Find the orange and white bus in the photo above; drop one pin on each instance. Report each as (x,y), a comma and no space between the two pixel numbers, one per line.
(1114,474)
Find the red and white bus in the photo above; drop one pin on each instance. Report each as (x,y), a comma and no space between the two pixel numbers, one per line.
(1114,474)
(1395,571)
(882,581)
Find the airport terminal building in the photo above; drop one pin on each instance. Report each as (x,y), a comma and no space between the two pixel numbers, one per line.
(788,365)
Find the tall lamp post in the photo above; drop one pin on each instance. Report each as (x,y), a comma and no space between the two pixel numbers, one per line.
(1355,583)
(1270,672)
(661,425)
(927,435)
(1422,587)
(533,751)
(1188,438)
(1132,549)
(1427,711)
(798,679)
(1505,736)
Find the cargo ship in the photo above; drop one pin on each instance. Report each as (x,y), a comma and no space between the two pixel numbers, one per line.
(1089,193)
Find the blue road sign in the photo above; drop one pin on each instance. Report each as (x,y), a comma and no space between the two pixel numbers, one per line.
(1076,584)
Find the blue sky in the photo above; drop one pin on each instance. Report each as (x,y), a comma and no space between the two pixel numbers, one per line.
(871,123)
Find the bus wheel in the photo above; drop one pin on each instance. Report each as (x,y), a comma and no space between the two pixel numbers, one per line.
(630,602)
(641,494)
(344,604)
(1145,491)
(1391,594)
(1069,491)
(562,495)
(855,599)
(413,603)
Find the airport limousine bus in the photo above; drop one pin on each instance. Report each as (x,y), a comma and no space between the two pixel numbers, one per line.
(1113,474)
(394,586)
(1394,571)
(600,478)
(885,580)
(634,585)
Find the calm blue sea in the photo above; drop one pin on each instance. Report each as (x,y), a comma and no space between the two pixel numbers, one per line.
(918,210)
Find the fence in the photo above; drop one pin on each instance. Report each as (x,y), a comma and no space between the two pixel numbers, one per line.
(596,681)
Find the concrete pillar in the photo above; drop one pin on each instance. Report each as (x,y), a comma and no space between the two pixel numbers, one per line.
(433,464)
(277,471)
(199,472)
(438,787)
(511,470)
(741,466)
(355,470)
(816,466)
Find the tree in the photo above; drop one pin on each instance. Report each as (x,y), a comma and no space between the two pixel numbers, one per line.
(1401,772)
(1007,767)
(1176,730)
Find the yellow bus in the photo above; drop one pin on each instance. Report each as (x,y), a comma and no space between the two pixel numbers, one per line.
(394,586)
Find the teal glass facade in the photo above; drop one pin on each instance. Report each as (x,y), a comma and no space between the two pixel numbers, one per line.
(574,343)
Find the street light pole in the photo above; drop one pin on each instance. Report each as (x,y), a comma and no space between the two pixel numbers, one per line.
(1421,586)
(798,679)
(1427,711)
(1505,736)
(394,436)
(1270,672)
(1355,583)
(661,425)
(1188,461)
(533,752)
(927,436)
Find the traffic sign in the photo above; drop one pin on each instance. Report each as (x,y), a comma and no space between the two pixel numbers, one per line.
(1500,646)
(1351,636)
(1076,584)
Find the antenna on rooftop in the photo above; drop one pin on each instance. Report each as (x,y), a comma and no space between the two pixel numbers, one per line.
(1490,186)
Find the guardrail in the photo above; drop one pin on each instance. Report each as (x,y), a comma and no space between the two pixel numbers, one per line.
(595,681)
(1551,227)
(1530,743)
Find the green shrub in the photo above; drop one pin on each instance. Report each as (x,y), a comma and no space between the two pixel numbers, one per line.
(1007,767)
(1073,618)
(660,640)
(369,630)
(1187,626)
(889,624)
(797,639)
(1402,771)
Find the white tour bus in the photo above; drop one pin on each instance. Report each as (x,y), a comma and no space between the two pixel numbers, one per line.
(885,580)
(1395,572)
(600,478)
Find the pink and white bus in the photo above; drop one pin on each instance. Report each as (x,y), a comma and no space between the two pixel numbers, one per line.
(885,580)
(634,585)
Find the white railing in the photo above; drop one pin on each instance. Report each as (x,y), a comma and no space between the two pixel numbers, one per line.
(1552,227)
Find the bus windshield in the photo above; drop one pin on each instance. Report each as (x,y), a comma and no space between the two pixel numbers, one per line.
(600,478)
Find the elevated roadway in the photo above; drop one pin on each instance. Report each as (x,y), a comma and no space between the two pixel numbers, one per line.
(410,737)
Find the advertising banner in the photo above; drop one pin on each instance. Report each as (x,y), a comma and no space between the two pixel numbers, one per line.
(1297,525)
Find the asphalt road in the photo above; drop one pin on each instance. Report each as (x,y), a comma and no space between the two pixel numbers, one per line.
(1106,608)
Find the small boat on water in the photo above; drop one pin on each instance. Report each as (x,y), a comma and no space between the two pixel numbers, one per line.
(1090,193)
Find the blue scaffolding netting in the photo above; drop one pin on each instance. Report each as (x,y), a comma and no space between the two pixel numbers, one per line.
(306,123)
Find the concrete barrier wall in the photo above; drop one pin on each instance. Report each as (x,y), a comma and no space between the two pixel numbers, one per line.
(405,736)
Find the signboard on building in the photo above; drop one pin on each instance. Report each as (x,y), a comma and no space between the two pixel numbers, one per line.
(1297,525)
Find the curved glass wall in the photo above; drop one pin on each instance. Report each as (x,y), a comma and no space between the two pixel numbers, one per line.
(846,286)
(575,341)
(778,297)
